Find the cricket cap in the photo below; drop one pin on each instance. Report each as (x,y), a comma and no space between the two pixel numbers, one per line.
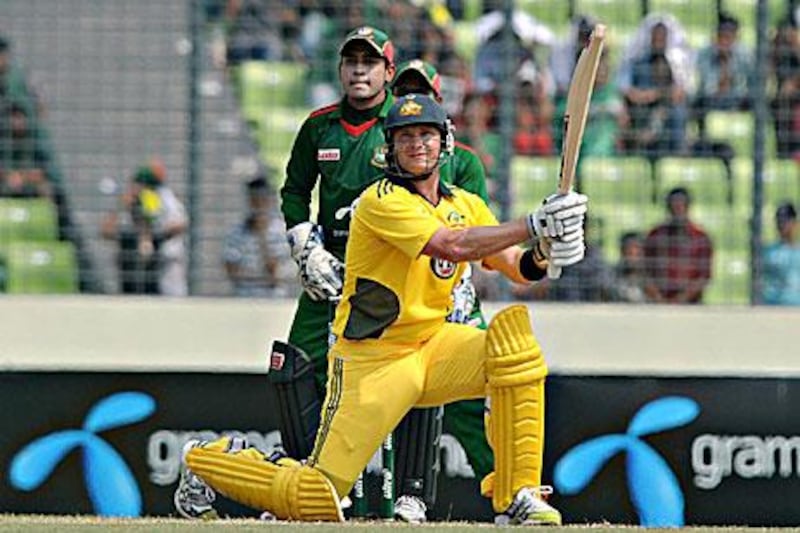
(377,40)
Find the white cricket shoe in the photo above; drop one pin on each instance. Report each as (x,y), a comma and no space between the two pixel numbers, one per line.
(529,508)
(193,498)
(410,509)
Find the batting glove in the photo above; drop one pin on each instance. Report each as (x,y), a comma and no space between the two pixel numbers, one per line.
(321,272)
(559,215)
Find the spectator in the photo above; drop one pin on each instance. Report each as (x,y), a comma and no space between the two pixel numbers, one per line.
(724,70)
(781,260)
(24,183)
(534,114)
(655,79)
(150,227)
(13,86)
(476,129)
(630,274)
(256,256)
(263,31)
(785,64)
(678,255)
(565,53)
(529,33)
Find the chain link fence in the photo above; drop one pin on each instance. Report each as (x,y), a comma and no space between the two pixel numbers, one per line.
(201,97)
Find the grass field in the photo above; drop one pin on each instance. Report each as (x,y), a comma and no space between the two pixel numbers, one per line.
(74,524)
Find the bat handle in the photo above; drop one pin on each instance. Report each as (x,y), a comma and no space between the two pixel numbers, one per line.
(553,272)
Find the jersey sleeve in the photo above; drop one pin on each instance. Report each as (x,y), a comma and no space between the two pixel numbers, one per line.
(393,215)
(301,176)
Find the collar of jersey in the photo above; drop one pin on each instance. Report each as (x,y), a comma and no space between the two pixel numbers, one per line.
(444,189)
(336,114)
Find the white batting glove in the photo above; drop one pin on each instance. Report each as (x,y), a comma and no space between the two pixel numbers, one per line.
(559,214)
(321,272)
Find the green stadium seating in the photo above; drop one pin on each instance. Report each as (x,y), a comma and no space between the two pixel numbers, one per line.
(730,279)
(617,180)
(697,16)
(553,14)
(269,84)
(729,229)
(745,12)
(737,128)
(276,129)
(620,15)
(40,268)
(706,178)
(30,219)
(781,182)
(532,179)
(614,220)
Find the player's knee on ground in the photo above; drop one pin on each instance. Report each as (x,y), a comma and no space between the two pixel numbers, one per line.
(286,488)
(515,370)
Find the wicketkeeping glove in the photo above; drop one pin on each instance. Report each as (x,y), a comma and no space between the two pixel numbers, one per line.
(321,272)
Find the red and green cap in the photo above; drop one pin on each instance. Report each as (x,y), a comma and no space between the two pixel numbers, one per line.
(420,69)
(376,39)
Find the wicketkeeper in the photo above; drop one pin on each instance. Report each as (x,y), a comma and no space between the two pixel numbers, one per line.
(410,238)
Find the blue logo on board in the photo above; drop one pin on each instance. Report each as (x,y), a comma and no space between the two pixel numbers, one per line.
(654,489)
(109,481)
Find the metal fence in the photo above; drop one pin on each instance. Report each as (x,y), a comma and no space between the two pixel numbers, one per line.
(206,95)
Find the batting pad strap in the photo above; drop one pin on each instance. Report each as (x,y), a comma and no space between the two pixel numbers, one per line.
(294,492)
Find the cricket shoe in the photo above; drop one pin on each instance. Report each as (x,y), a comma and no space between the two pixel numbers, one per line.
(529,508)
(193,498)
(410,509)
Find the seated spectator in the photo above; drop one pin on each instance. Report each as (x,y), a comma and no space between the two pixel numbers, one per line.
(785,65)
(257,258)
(781,260)
(678,255)
(488,72)
(150,227)
(724,71)
(24,183)
(533,134)
(629,273)
(655,79)
(258,30)
(566,52)
(476,128)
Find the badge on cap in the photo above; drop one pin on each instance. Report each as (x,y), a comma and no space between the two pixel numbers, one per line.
(410,108)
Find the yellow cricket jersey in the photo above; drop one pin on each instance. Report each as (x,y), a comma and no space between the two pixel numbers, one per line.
(392,293)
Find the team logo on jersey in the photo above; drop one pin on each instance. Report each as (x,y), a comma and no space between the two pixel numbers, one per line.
(329,154)
(454,218)
(442,268)
(378,157)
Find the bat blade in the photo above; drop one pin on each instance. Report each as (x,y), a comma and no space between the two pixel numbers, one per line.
(578,98)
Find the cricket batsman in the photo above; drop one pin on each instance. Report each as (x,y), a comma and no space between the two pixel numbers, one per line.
(410,238)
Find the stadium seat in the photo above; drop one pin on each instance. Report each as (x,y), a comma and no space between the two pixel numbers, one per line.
(269,84)
(276,131)
(28,219)
(734,127)
(614,220)
(40,267)
(730,279)
(706,178)
(532,179)
(617,180)
(620,15)
(728,228)
(553,14)
(781,182)
(697,16)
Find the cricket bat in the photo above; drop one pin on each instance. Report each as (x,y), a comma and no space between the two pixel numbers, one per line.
(578,98)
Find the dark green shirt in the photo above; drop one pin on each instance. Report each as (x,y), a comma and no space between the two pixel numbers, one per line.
(344,151)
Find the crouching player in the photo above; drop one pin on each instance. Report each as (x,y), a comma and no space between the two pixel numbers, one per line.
(411,237)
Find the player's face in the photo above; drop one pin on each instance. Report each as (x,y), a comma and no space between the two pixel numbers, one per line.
(417,148)
(363,76)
